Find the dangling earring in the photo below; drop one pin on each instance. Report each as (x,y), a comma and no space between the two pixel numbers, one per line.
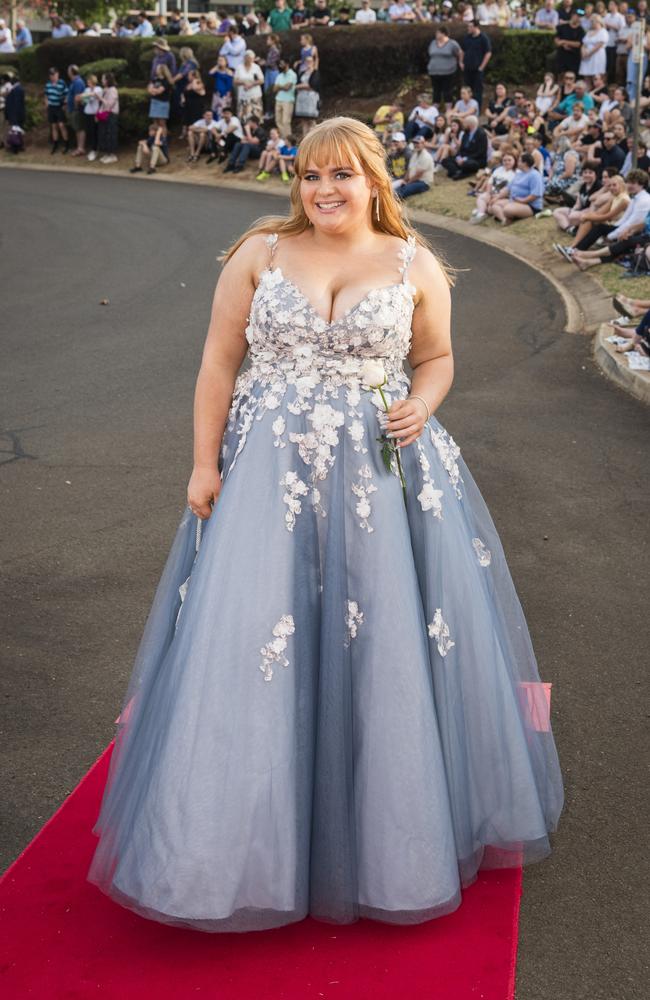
(377,207)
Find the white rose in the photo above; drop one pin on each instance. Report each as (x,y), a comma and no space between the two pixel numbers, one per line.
(372,373)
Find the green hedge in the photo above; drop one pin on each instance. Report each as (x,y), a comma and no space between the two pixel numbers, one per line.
(355,61)
(134,113)
(118,67)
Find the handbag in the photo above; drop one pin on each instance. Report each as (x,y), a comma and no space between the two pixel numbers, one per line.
(102,116)
(307,103)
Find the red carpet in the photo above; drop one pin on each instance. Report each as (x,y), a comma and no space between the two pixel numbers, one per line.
(62,937)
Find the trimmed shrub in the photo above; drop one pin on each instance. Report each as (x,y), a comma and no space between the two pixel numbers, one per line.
(34,112)
(134,113)
(28,64)
(118,67)
(520,56)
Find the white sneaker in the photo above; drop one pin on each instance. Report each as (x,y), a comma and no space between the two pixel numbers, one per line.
(478,217)
(92,155)
(109,158)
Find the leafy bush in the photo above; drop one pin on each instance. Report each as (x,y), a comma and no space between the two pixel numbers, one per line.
(28,64)
(7,69)
(520,56)
(118,67)
(34,112)
(134,113)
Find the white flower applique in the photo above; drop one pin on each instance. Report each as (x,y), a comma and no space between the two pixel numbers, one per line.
(278,427)
(448,451)
(439,630)
(273,651)
(483,554)
(353,618)
(429,496)
(295,488)
(357,431)
(361,489)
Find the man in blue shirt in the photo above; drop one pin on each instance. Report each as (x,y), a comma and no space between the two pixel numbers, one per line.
(60,29)
(75,110)
(55,94)
(23,36)
(144,28)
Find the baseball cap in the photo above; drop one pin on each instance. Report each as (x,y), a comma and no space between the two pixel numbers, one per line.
(398,137)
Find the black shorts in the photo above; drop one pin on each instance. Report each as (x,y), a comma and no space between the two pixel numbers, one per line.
(55,115)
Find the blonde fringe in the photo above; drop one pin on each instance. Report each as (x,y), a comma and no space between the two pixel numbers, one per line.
(334,140)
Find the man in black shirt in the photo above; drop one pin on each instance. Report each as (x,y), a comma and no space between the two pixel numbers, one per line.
(477,52)
(564,11)
(609,153)
(568,39)
(252,144)
(321,14)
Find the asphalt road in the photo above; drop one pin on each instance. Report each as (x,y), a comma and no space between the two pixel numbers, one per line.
(96,452)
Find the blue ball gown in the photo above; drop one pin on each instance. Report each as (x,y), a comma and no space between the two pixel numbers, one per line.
(335,706)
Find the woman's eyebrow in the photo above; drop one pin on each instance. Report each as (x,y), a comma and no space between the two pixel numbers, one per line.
(332,170)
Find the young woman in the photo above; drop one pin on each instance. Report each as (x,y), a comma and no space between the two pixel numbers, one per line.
(495,182)
(160,93)
(248,80)
(307,107)
(107,120)
(330,710)
(194,100)
(222,77)
(90,100)
(547,94)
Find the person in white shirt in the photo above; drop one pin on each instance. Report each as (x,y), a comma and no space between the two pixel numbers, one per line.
(230,132)
(144,28)
(631,231)
(573,124)
(6,41)
(400,12)
(200,134)
(233,47)
(613,21)
(422,118)
(547,16)
(487,13)
(365,14)
(419,173)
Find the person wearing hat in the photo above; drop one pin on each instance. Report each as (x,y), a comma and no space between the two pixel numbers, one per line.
(419,172)
(163,56)
(398,156)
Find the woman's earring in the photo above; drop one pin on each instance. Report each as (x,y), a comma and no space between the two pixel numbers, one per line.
(377,207)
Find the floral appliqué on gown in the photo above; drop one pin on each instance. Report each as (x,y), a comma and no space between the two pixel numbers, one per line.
(330,709)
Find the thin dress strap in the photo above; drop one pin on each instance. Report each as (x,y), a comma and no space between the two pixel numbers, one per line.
(271,241)
(406,254)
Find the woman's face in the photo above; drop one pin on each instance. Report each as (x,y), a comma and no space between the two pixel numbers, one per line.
(508,161)
(309,63)
(222,63)
(336,196)
(441,121)
(464,93)
(500,91)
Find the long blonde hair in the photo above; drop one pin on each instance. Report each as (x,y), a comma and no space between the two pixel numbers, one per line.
(339,140)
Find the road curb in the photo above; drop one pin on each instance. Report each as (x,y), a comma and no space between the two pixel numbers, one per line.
(615,366)
(586,302)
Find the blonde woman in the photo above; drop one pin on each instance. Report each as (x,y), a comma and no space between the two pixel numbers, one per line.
(328,713)
(593,50)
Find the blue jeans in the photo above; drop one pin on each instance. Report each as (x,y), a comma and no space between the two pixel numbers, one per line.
(412,187)
(241,152)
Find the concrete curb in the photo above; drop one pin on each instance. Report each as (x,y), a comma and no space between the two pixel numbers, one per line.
(615,366)
(587,303)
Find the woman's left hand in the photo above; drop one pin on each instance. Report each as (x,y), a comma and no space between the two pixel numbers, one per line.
(406,420)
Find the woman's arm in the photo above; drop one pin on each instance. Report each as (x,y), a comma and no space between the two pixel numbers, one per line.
(224,350)
(430,355)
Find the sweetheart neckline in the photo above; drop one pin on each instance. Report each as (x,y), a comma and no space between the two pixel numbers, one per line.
(332,323)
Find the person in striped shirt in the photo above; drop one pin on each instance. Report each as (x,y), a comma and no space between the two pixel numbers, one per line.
(55,95)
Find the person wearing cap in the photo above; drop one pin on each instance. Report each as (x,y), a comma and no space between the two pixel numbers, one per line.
(144,28)
(419,172)
(163,56)
(398,156)
(365,14)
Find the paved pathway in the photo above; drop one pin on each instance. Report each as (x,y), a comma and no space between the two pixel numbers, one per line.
(96,452)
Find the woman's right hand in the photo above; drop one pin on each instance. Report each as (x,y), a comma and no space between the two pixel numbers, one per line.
(203,490)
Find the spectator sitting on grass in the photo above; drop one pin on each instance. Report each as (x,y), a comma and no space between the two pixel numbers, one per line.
(573,125)
(496,110)
(643,160)
(495,181)
(616,108)
(230,133)
(280,158)
(421,119)
(472,154)
(387,119)
(419,173)
(631,230)
(398,156)
(465,106)
(155,148)
(439,137)
(523,197)
(608,152)
(608,208)
(569,215)
(564,169)
(200,136)
(449,146)
(251,145)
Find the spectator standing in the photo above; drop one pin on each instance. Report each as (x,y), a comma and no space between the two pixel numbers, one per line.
(193,100)
(271,70)
(307,105)
(144,28)
(519,20)
(477,52)
(163,56)
(76,118)
(60,29)
(299,15)
(307,48)
(160,92)
(632,66)
(473,152)
(365,14)
(419,173)
(181,76)
(594,55)
(613,22)
(6,40)
(23,36)
(280,17)
(233,48)
(625,32)
(487,13)
(445,59)
(564,11)
(90,100)
(284,89)
(174,24)
(222,78)
(109,109)
(250,23)
(320,16)
(248,81)
(400,12)
(547,17)
(568,44)
(14,109)
(55,94)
